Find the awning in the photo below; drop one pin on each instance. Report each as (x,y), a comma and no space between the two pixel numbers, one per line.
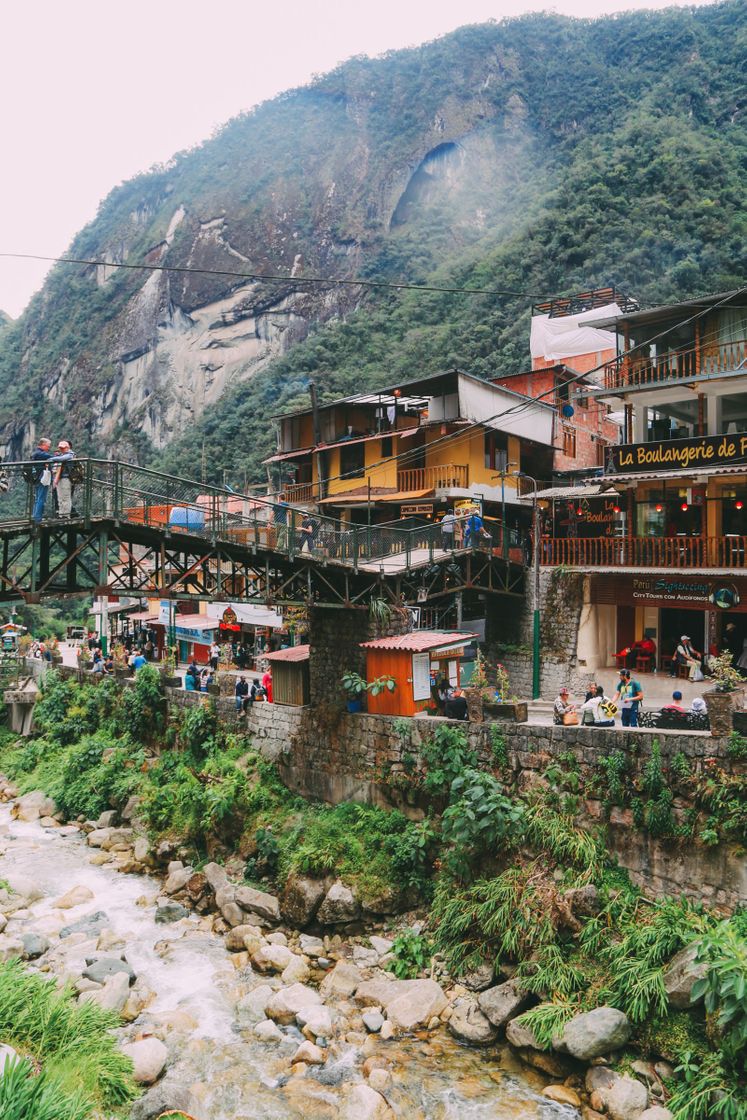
(569,492)
(423,641)
(360,498)
(195,622)
(280,455)
(689,472)
(143,616)
(293,653)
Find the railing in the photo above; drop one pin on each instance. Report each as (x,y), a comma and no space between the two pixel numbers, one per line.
(675,365)
(120,492)
(691,553)
(300,492)
(444,477)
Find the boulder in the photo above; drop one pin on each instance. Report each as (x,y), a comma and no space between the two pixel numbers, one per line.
(301,899)
(361,1102)
(468,1023)
(503,1002)
(148,1056)
(381,945)
(102,968)
(380,1080)
(197,886)
(177,880)
(90,925)
(371,993)
(267,1031)
(521,1037)
(163,1098)
(594,1033)
(258,902)
(310,1053)
(74,897)
(296,971)
(107,819)
(141,849)
(96,838)
(216,876)
(373,1021)
(251,1008)
(170,912)
(34,946)
(658,1112)
(272,958)
(316,1019)
(32,806)
(283,1006)
(583,901)
(599,1078)
(344,980)
(23,886)
(311,946)
(244,938)
(626,1099)
(562,1094)
(339,905)
(7,1054)
(417,1006)
(680,976)
(114,994)
(478,979)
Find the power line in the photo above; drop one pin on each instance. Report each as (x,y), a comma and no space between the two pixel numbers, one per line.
(272,278)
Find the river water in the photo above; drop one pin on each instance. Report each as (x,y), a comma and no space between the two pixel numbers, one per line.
(232,1074)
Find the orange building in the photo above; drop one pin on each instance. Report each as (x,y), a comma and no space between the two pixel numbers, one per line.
(409,659)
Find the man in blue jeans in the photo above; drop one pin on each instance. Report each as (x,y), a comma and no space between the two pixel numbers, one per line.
(42,455)
(629,694)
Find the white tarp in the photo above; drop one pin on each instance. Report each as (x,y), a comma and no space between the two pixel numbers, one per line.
(553,340)
(247,612)
(497,408)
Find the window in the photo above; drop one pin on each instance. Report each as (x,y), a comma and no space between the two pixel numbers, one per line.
(386,447)
(496,451)
(352,460)
(569,442)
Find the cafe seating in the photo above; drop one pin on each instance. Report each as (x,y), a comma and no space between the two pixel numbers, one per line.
(643,662)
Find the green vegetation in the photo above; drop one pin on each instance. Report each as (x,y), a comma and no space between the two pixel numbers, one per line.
(82,1070)
(412,954)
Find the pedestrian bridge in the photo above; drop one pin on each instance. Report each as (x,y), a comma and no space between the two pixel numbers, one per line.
(138,532)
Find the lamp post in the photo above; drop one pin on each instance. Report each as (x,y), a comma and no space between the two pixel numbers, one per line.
(536,574)
(503,474)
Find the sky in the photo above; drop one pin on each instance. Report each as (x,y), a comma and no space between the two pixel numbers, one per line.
(95,91)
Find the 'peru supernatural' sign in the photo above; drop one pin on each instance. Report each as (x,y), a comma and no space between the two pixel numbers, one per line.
(678,454)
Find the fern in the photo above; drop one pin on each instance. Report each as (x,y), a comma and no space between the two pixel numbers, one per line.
(547,1020)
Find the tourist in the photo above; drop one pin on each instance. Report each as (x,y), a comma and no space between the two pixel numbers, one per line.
(280,518)
(138,661)
(698,706)
(98,663)
(456,705)
(686,654)
(732,642)
(474,530)
(267,686)
(629,695)
(308,532)
(149,650)
(63,485)
(190,681)
(109,665)
(600,708)
(42,476)
(256,692)
(676,705)
(214,655)
(241,691)
(564,712)
(448,521)
(192,668)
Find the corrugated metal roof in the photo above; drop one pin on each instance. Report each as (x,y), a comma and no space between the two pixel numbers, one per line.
(195,622)
(691,472)
(293,653)
(422,641)
(568,492)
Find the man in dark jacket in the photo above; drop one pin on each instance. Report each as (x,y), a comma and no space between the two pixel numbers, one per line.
(242,691)
(42,455)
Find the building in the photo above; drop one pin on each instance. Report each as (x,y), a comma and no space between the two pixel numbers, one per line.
(669,556)
(413,661)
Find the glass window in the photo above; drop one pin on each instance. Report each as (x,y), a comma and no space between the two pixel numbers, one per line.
(732,413)
(672,421)
(386,447)
(496,451)
(651,517)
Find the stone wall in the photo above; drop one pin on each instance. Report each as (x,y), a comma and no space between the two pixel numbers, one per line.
(335,635)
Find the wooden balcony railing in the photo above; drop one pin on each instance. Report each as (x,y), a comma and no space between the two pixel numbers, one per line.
(434,478)
(691,553)
(301,492)
(675,365)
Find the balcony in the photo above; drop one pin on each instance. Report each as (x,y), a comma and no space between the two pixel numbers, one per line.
(300,492)
(685,553)
(675,365)
(446,477)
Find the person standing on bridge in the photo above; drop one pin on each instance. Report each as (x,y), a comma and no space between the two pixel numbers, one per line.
(307,535)
(42,477)
(448,522)
(62,481)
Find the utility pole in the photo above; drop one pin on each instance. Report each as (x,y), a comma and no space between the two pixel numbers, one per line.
(536,581)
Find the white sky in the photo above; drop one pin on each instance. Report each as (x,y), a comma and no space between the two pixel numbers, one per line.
(94,91)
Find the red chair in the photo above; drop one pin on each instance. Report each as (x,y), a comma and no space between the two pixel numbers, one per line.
(621,660)
(643,663)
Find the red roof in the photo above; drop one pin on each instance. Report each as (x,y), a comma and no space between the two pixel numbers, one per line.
(421,641)
(293,653)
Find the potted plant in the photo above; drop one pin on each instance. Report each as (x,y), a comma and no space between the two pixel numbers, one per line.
(357,689)
(168,671)
(119,657)
(477,691)
(726,696)
(501,705)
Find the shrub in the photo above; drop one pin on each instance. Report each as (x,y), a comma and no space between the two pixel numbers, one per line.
(446,756)
(724,952)
(412,954)
(479,820)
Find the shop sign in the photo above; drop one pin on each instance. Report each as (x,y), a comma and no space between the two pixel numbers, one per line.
(671,591)
(678,454)
(464,507)
(421,676)
(589,517)
(422,508)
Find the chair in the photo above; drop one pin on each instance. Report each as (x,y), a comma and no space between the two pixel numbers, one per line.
(643,663)
(620,660)
(683,672)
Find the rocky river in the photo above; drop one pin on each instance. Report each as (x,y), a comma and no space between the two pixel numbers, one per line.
(224,1037)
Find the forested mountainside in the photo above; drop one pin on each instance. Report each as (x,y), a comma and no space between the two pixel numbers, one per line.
(538,155)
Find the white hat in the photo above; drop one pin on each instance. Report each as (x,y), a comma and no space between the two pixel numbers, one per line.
(684,637)
(698,705)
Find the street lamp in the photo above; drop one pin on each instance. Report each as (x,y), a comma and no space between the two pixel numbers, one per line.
(505,470)
(536,572)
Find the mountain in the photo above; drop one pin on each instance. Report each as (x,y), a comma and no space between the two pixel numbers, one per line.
(535,156)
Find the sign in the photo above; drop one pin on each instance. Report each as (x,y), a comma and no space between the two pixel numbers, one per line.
(463,507)
(165,609)
(678,454)
(682,592)
(421,676)
(418,507)
(229,617)
(588,517)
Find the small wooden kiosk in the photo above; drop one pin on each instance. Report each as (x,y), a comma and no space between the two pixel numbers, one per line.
(409,660)
(290,675)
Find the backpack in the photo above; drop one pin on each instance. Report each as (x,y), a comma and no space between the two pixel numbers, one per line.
(609,708)
(75,472)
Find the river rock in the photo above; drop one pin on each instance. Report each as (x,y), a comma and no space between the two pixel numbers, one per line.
(339,905)
(170,912)
(164,1097)
(584,901)
(626,1099)
(417,1006)
(284,1005)
(177,880)
(315,1019)
(479,979)
(7,1054)
(658,1112)
(216,876)
(382,945)
(76,896)
(197,886)
(90,924)
(251,1008)
(32,806)
(296,971)
(301,899)
(361,1102)
(244,937)
(102,968)
(261,903)
(108,819)
(373,1021)
(23,886)
(141,849)
(310,1053)
(272,958)
(148,1056)
(343,980)
(681,975)
(468,1023)
(503,1002)
(365,958)
(113,996)
(562,1094)
(311,946)
(34,946)
(599,1078)
(96,838)
(594,1033)
(267,1031)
